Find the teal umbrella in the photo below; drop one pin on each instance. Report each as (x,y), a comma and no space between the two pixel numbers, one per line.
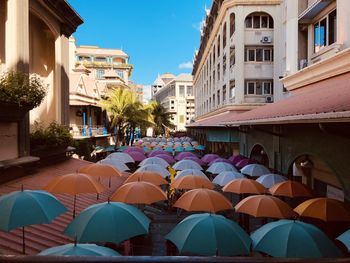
(179,149)
(122,148)
(108,222)
(189,149)
(210,235)
(79,250)
(345,239)
(293,239)
(110,148)
(169,149)
(200,148)
(27,207)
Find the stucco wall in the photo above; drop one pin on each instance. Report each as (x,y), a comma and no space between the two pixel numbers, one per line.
(8,140)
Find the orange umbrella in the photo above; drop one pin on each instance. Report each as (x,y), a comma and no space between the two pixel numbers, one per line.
(203,200)
(139,193)
(73,184)
(191,182)
(101,171)
(244,186)
(264,206)
(290,189)
(146,176)
(326,209)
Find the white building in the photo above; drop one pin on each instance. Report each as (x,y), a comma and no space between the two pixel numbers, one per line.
(176,95)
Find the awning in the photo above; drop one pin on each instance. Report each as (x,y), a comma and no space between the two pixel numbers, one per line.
(314,9)
(214,121)
(222,135)
(324,101)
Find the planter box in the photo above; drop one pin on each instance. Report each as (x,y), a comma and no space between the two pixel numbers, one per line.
(11,112)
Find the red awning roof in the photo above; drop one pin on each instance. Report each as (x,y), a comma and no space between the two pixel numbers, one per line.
(215,121)
(328,100)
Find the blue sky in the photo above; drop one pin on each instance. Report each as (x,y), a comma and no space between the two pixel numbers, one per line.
(159,35)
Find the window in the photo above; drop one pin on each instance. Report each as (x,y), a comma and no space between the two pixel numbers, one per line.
(232,24)
(224,93)
(232,89)
(251,88)
(256,21)
(100,59)
(182,119)
(258,54)
(224,36)
(325,31)
(100,73)
(224,65)
(120,74)
(232,58)
(218,94)
(259,87)
(219,46)
(267,88)
(218,71)
(259,21)
(182,91)
(189,91)
(248,22)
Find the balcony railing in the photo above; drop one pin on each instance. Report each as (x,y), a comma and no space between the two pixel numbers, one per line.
(103,64)
(88,131)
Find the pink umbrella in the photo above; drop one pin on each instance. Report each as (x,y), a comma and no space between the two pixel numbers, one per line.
(244,162)
(196,159)
(182,155)
(209,157)
(156,152)
(134,149)
(236,158)
(170,160)
(137,156)
(221,160)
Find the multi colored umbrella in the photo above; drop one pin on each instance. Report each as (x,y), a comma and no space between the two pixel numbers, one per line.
(255,170)
(28,207)
(203,200)
(325,209)
(151,177)
(293,239)
(244,186)
(264,206)
(269,180)
(170,160)
(209,157)
(219,160)
(179,149)
(182,155)
(210,235)
(157,152)
(217,168)
(189,149)
(290,189)
(345,239)
(155,160)
(224,178)
(187,172)
(186,164)
(234,159)
(200,147)
(108,222)
(154,168)
(192,182)
(195,159)
(124,157)
(117,164)
(139,193)
(137,156)
(241,164)
(100,171)
(134,149)
(79,250)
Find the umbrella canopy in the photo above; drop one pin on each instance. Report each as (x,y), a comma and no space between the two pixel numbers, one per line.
(179,149)
(255,170)
(182,155)
(200,147)
(264,206)
(195,159)
(124,157)
(244,186)
(100,170)
(209,157)
(290,189)
(151,177)
(134,149)
(154,168)
(79,250)
(203,200)
(224,178)
(345,239)
(219,160)
(325,209)
(139,193)
(244,163)
(217,168)
(137,156)
(189,149)
(186,164)
(234,159)
(155,160)
(169,159)
(187,172)
(210,235)
(293,239)
(269,180)
(117,164)
(108,222)
(168,149)
(192,182)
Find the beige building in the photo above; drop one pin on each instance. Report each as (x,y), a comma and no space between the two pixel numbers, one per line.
(176,95)
(34,39)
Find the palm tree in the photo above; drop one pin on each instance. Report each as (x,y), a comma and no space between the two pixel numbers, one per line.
(161,118)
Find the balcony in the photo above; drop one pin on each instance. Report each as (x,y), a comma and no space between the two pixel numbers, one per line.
(258,98)
(82,132)
(258,70)
(257,36)
(96,64)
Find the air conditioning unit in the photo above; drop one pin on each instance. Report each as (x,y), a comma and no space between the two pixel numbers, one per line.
(302,63)
(266,39)
(269,99)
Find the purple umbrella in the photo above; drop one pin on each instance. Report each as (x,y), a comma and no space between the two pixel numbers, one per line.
(170,160)
(221,160)
(195,159)
(209,157)
(156,152)
(134,149)
(137,156)
(234,159)
(244,162)
(182,155)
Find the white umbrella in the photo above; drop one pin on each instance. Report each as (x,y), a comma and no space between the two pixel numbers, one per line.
(186,172)
(187,164)
(255,170)
(124,157)
(269,180)
(154,168)
(224,178)
(116,163)
(154,160)
(219,167)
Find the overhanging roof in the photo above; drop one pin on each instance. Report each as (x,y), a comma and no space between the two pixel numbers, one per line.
(314,9)
(214,121)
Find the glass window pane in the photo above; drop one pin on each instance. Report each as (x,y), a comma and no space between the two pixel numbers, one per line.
(251,55)
(316,37)
(323,32)
(248,22)
(259,54)
(258,88)
(251,88)
(332,27)
(264,21)
(270,22)
(267,88)
(256,21)
(267,55)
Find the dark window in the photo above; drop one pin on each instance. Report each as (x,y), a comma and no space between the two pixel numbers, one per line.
(251,55)
(267,55)
(248,22)
(332,27)
(264,21)
(259,54)
(256,21)
(251,88)
(270,22)
(258,88)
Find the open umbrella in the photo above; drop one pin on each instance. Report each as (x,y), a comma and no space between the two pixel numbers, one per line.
(124,157)
(155,160)
(200,147)
(209,157)
(108,222)
(345,239)
(217,168)
(234,159)
(224,178)
(255,170)
(151,177)
(139,193)
(242,163)
(325,209)
(137,156)
(210,235)
(187,172)
(192,182)
(154,168)
(195,159)
(28,207)
(219,160)
(203,200)
(293,239)
(182,155)
(169,149)
(134,149)
(99,170)
(179,149)
(290,189)
(269,180)
(186,164)
(264,206)
(244,186)
(170,160)
(73,184)
(117,164)
(79,250)
(189,148)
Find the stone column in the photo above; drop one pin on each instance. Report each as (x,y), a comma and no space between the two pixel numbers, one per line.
(239,47)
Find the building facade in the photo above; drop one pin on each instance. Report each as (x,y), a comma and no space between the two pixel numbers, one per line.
(176,95)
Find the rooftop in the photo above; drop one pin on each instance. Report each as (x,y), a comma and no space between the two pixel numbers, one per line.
(95,50)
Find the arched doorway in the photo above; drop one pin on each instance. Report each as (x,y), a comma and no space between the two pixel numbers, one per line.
(259,154)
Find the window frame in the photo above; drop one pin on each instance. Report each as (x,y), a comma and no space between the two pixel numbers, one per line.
(317,24)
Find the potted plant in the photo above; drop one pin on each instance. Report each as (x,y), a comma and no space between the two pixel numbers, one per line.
(19,93)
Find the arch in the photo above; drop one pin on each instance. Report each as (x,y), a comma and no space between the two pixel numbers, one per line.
(259,154)
(46,20)
(259,20)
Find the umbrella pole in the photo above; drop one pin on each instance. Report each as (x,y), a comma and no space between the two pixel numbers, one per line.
(23,242)
(74,202)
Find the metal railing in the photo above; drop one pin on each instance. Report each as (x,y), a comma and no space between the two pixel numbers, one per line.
(81,130)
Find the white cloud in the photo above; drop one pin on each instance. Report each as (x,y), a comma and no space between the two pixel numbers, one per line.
(147,93)
(186,65)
